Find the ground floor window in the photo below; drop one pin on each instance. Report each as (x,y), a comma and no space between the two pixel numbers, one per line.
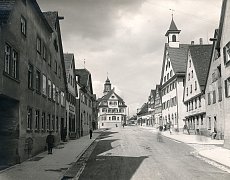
(29,118)
(209,123)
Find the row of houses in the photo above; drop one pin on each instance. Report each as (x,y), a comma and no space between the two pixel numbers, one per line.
(41,90)
(194,88)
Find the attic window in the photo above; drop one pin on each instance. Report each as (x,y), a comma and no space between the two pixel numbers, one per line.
(113,97)
(174,38)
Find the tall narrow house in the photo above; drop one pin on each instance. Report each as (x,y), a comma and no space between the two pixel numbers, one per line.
(158,107)
(194,95)
(173,78)
(32,80)
(71,105)
(223,47)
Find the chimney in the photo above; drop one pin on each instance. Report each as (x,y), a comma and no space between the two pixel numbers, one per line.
(192,42)
(201,41)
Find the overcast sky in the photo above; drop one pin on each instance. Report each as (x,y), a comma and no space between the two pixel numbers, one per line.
(126,38)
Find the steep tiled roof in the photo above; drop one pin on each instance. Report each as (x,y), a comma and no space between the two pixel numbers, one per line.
(107,96)
(5,8)
(144,109)
(201,57)
(84,78)
(68,60)
(178,57)
(51,18)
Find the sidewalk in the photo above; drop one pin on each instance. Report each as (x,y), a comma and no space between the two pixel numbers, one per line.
(205,146)
(50,167)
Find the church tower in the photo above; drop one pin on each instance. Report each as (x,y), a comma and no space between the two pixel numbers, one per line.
(173,35)
(107,86)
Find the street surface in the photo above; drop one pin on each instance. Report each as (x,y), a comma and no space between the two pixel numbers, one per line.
(134,153)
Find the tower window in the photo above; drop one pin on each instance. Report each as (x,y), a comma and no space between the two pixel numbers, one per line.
(173,38)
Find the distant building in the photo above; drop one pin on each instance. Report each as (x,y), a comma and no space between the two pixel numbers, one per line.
(85,98)
(111,108)
(71,97)
(194,96)
(142,115)
(173,79)
(151,108)
(158,107)
(32,80)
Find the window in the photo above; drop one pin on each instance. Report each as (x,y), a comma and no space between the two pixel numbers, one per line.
(195,85)
(176,120)
(44,52)
(23,26)
(199,101)
(30,76)
(29,118)
(197,120)
(189,62)
(57,124)
(209,123)
(54,92)
(59,73)
(49,89)
(209,99)
(7,58)
(38,81)
(37,119)
(49,59)
(167,76)
(195,103)
(188,76)
(55,66)
(39,45)
(53,123)
(15,64)
(118,118)
(48,123)
(192,74)
(190,88)
(44,82)
(187,91)
(173,38)
(220,93)
(227,87)
(165,79)
(214,97)
(62,99)
(109,118)
(113,117)
(201,121)
(43,121)
(226,51)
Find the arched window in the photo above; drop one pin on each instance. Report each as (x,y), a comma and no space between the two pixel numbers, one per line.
(173,38)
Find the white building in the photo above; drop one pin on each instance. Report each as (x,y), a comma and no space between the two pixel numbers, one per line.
(194,98)
(172,79)
(111,108)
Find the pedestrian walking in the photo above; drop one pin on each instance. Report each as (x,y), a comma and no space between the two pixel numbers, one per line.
(50,142)
(159,137)
(90,133)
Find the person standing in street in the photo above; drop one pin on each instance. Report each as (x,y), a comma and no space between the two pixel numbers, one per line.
(50,142)
(90,133)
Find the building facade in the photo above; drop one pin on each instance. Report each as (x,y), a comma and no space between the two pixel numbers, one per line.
(111,108)
(158,107)
(194,97)
(172,79)
(71,131)
(33,85)
(85,98)
(222,47)
(151,108)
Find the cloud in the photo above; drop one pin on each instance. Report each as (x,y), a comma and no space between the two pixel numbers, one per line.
(126,38)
